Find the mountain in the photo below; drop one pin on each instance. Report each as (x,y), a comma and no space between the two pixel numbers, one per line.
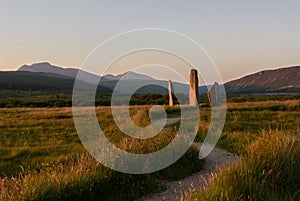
(282,80)
(128,76)
(40,81)
(129,79)
(46,67)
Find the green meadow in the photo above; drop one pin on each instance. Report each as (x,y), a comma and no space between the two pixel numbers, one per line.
(42,157)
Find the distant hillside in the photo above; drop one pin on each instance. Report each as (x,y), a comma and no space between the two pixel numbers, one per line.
(46,67)
(282,80)
(38,81)
(109,81)
(128,76)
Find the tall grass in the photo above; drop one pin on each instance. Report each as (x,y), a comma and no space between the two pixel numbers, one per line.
(269,170)
(266,136)
(84,178)
(43,159)
(80,179)
(246,121)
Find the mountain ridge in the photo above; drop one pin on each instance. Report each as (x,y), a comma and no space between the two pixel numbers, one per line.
(286,79)
(46,67)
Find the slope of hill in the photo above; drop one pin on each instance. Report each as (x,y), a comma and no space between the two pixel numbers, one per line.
(282,80)
(46,67)
(276,81)
(38,81)
(128,76)
(109,81)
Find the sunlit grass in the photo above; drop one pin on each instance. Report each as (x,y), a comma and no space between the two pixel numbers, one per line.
(269,170)
(266,136)
(42,158)
(245,122)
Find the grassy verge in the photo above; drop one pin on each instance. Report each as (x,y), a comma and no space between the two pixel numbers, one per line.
(265,135)
(269,170)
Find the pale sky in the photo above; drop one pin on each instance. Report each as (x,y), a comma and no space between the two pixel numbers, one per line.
(240,36)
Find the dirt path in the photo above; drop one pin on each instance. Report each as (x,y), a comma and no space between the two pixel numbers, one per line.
(177,190)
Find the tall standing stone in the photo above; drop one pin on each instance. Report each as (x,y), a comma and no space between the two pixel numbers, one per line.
(171,102)
(193,93)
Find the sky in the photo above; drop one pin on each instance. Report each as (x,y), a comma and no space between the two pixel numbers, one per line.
(241,37)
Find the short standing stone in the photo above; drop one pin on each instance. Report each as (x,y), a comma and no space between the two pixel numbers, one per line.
(171,102)
(214,95)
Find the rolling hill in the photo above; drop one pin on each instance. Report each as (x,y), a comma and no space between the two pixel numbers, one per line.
(45,67)
(109,81)
(39,81)
(282,80)
(44,76)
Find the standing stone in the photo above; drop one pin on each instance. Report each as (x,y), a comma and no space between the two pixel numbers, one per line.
(193,96)
(171,102)
(214,95)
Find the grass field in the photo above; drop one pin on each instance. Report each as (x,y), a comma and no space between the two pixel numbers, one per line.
(266,136)
(42,157)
